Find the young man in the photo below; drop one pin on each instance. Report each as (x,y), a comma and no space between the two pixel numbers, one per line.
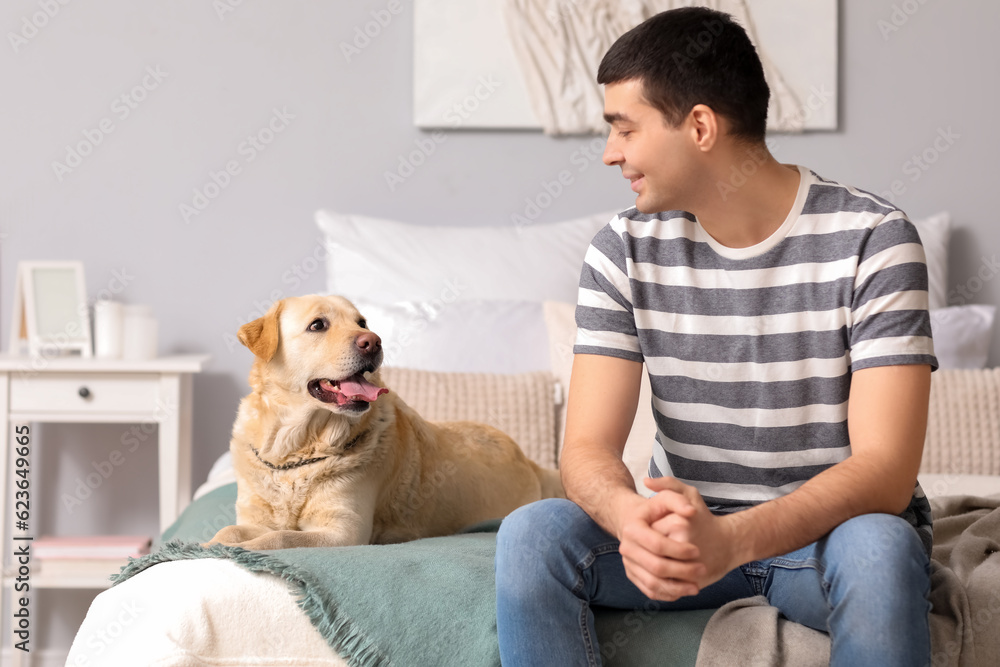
(783,322)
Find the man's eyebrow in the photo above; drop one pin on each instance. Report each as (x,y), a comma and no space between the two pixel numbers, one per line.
(616,117)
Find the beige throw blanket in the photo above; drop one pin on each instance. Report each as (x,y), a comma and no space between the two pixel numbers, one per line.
(965,594)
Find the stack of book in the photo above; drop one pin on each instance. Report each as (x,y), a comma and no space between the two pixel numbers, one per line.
(86,556)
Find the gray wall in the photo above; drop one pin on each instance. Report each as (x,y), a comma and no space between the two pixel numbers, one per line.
(118,211)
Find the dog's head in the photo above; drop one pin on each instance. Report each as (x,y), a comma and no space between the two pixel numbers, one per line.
(319,349)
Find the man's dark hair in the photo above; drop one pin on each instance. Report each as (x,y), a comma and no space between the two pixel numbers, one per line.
(689,56)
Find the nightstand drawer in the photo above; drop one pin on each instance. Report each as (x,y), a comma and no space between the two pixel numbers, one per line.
(57,392)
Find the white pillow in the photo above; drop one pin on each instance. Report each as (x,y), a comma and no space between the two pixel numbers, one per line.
(460,336)
(962,335)
(561,325)
(386,261)
(935,233)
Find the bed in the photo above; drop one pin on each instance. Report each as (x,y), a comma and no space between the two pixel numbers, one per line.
(471,333)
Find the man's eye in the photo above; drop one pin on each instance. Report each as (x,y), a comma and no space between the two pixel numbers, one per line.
(317,325)
(624,133)
(363,323)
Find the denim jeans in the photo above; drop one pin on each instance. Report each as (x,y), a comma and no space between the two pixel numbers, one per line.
(865,583)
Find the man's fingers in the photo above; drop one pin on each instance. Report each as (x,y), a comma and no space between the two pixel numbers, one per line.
(672,484)
(664,568)
(656,588)
(675,526)
(637,535)
(663,484)
(668,501)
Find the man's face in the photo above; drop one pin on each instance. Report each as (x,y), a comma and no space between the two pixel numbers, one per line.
(655,157)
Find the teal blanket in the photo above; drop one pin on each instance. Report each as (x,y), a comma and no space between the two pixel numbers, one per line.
(426,602)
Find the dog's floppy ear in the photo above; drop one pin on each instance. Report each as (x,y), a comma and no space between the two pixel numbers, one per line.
(261,335)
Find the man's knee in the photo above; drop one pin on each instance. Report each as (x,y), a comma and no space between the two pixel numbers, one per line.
(878,545)
(534,543)
(539,524)
(878,576)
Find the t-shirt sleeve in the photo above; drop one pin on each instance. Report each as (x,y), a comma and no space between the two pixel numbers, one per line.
(604,318)
(891,324)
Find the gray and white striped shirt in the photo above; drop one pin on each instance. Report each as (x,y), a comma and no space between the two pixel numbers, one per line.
(750,350)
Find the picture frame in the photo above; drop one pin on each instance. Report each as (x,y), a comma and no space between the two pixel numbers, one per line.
(472,71)
(51,317)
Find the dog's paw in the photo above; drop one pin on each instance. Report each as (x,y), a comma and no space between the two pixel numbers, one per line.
(234,536)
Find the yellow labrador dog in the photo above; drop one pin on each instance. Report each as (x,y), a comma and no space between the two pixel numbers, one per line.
(326,455)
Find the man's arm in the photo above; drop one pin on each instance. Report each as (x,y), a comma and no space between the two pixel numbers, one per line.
(887,420)
(603,395)
(886,423)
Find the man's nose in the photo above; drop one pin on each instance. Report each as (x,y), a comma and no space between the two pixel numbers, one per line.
(612,155)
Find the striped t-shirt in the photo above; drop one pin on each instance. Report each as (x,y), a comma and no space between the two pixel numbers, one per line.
(750,350)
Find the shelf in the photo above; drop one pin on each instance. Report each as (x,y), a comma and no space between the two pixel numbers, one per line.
(84,418)
(42,580)
(178,363)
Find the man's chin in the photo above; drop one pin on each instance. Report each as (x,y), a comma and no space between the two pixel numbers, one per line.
(648,206)
(643,206)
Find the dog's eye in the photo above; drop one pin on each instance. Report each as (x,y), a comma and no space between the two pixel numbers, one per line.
(363,323)
(319,324)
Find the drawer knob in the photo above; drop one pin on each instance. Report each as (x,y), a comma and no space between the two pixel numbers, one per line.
(84,392)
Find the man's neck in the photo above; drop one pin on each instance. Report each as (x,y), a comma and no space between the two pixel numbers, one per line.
(744,215)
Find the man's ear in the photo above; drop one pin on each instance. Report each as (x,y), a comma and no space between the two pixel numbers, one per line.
(261,335)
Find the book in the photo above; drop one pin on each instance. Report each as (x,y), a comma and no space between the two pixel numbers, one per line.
(91,546)
(90,567)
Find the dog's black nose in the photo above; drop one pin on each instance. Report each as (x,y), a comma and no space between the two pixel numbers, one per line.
(368,343)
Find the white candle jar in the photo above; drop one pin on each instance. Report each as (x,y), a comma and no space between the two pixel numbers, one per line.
(140,333)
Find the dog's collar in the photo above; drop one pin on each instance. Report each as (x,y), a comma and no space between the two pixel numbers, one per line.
(305,462)
(286,466)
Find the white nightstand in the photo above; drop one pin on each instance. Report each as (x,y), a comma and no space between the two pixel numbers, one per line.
(75,389)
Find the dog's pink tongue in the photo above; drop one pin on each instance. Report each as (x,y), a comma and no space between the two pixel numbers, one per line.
(358,388)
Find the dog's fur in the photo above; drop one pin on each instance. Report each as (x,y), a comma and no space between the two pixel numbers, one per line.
(386,475)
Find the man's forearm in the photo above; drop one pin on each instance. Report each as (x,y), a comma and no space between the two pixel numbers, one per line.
(599,482)
(779,526)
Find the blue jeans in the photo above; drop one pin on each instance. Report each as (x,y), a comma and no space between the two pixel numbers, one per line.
(865,583)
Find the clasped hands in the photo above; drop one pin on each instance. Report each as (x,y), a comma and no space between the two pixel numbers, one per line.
(672,546)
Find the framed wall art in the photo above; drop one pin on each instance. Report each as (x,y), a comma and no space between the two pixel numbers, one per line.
(532,64)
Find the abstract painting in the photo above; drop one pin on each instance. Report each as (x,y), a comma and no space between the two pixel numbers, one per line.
(531,64)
